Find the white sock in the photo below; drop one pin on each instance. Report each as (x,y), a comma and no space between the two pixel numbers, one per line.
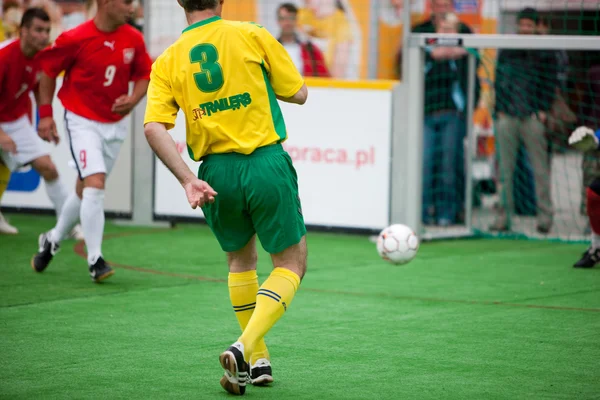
(92,222)
(67,219)
(57,194)
(595,240)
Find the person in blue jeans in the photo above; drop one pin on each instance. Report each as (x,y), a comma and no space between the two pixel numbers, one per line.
(446,80)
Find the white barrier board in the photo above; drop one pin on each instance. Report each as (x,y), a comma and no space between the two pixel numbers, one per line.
(340,144)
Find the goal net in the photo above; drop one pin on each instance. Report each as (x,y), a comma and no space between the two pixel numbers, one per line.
(503,167)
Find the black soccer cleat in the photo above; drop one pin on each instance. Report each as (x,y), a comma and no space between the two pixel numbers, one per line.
(589,259)
(46,251)
(100,270)
(236,369)
(261,373)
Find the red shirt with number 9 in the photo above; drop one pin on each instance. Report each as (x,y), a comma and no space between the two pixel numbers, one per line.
(98,67)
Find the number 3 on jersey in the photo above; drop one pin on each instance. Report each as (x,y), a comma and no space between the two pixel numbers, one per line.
(210,77)
(109,75)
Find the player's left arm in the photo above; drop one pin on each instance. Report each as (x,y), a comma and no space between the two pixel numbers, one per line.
(140,74)
(285,78)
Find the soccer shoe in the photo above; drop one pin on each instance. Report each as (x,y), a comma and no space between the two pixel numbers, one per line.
(236,369)
(76,233)
(261,373)
(590,258)
(46,251)
(100,270)
(6,228)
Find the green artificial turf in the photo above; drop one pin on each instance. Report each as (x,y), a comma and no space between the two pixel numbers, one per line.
(472,319)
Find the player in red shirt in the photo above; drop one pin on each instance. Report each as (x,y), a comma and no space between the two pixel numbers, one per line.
(100,57)
(19,76)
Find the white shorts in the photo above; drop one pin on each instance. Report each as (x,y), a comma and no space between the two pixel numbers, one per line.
(94,145)
(29,145)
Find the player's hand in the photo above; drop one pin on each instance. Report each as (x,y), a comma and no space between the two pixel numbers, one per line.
(583,139)
(47,130)
(7,144)
(199,193)
(123,105)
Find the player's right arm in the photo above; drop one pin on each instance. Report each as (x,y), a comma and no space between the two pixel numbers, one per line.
(161,113)
(285,78)
(298,98)
(53,61)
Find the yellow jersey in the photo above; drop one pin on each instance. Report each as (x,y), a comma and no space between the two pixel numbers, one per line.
(225,76)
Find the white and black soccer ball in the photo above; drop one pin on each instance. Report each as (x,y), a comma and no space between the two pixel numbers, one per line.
(397,244)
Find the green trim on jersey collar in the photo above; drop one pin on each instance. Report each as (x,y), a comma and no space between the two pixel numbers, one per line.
(201,23)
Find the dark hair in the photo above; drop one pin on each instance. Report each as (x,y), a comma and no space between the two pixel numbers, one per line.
(33,13)
(289,7)
(199,5)
(528,13)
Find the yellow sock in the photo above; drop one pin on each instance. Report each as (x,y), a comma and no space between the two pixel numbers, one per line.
(272,300)
(4,178)
(243,287)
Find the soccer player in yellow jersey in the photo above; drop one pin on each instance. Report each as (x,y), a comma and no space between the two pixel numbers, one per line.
(226,77)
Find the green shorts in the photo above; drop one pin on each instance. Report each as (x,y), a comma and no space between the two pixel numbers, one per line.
(257,194)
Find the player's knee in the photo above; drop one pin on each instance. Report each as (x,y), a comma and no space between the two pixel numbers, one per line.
(46,168)
(244,259)
(94,181)
(293,258)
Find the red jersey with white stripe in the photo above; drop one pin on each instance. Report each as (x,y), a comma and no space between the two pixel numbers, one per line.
(18,76)
(98,68)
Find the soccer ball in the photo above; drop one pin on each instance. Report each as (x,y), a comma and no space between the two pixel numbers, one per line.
(397,244)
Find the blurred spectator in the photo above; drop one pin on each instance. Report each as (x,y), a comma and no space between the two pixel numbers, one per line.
(12,12)
(525,89)
(438,9)
(137,20)
(306,56)
(328,21)
(446,84)
(561,118)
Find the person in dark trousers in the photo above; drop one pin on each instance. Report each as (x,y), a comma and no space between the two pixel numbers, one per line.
(446,90)
(525,88)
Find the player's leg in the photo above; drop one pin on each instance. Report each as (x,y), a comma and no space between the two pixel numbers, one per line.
(92,220)
(243,287)
(31,151)
(271,189)
(66,225)
(232,226)
(592,256)
(507,134)
(54,187)
(99,161)
(86,145)
(5,227)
